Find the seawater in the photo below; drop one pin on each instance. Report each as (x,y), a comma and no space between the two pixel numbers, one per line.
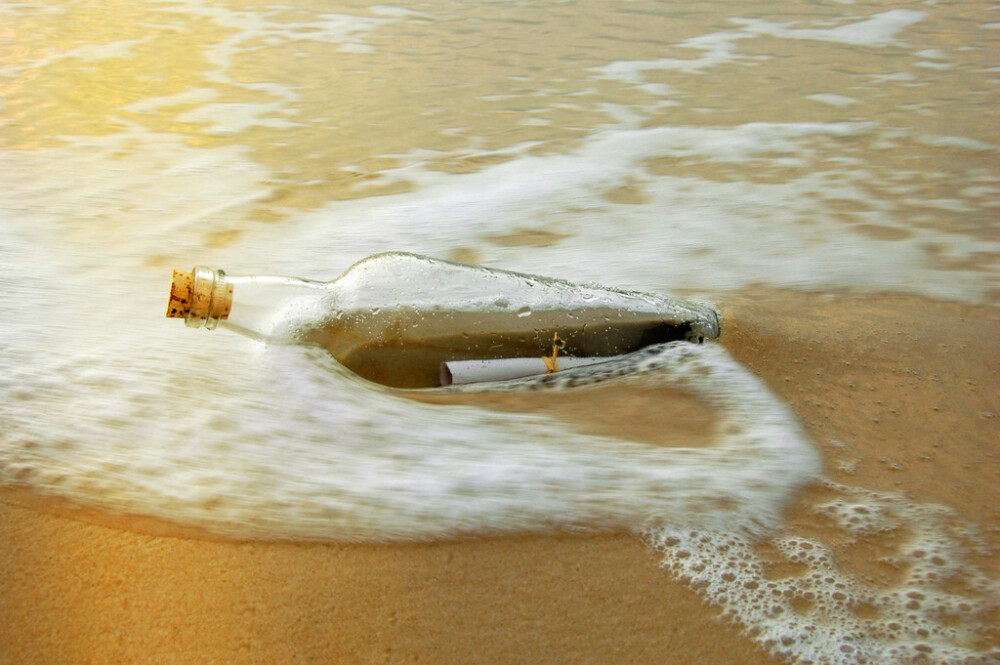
(694,150)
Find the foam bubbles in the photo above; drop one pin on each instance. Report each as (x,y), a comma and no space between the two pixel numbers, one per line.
(859,518)
(815,610)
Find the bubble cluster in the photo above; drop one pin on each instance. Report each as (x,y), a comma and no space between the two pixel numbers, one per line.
(822,613)
(858,517)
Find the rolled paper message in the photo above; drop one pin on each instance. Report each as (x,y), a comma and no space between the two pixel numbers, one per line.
(459,372)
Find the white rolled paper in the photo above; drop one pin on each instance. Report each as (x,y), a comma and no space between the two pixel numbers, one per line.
(459,372)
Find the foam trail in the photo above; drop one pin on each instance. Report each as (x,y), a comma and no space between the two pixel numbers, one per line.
(689,232)
(935,613)
(246,440)
(358,463)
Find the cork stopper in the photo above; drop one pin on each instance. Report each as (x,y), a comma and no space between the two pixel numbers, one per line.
(181,287)
(200,297)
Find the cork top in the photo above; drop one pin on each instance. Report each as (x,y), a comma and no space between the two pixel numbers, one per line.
(200,297)
(181,287)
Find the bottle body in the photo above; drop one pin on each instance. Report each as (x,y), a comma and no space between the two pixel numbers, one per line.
(394,318)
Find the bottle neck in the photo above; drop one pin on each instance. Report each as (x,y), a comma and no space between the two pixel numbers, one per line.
(207,298)
(273,308)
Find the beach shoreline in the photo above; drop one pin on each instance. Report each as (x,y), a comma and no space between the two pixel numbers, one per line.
(898,392)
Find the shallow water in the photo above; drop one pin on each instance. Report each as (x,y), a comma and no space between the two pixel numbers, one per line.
(817,146)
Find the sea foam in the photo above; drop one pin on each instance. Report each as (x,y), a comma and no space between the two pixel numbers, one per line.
(281,442)
(107,402)
(823,613)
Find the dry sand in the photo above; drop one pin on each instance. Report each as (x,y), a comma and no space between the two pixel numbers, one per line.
(900,394)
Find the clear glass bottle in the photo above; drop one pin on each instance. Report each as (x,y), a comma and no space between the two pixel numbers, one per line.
(393,318)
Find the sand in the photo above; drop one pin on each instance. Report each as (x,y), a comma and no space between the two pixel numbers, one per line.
(900,394)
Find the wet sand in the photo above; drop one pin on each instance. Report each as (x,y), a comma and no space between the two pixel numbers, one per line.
(899,393)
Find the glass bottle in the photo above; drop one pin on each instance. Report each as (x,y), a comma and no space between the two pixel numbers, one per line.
(393,318)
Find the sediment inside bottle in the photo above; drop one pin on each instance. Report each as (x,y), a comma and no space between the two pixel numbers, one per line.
(405,349)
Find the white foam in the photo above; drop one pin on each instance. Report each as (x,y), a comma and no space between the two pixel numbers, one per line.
(346,29)
(281,442)
(690,232)
(895,76)
(720,48)
(833,99)
(85,52)
(934,64)
(244,30)
(232,118)
(215,430)
(959,142)
(189,96)
(826,615)
(135,194)
(877,30)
